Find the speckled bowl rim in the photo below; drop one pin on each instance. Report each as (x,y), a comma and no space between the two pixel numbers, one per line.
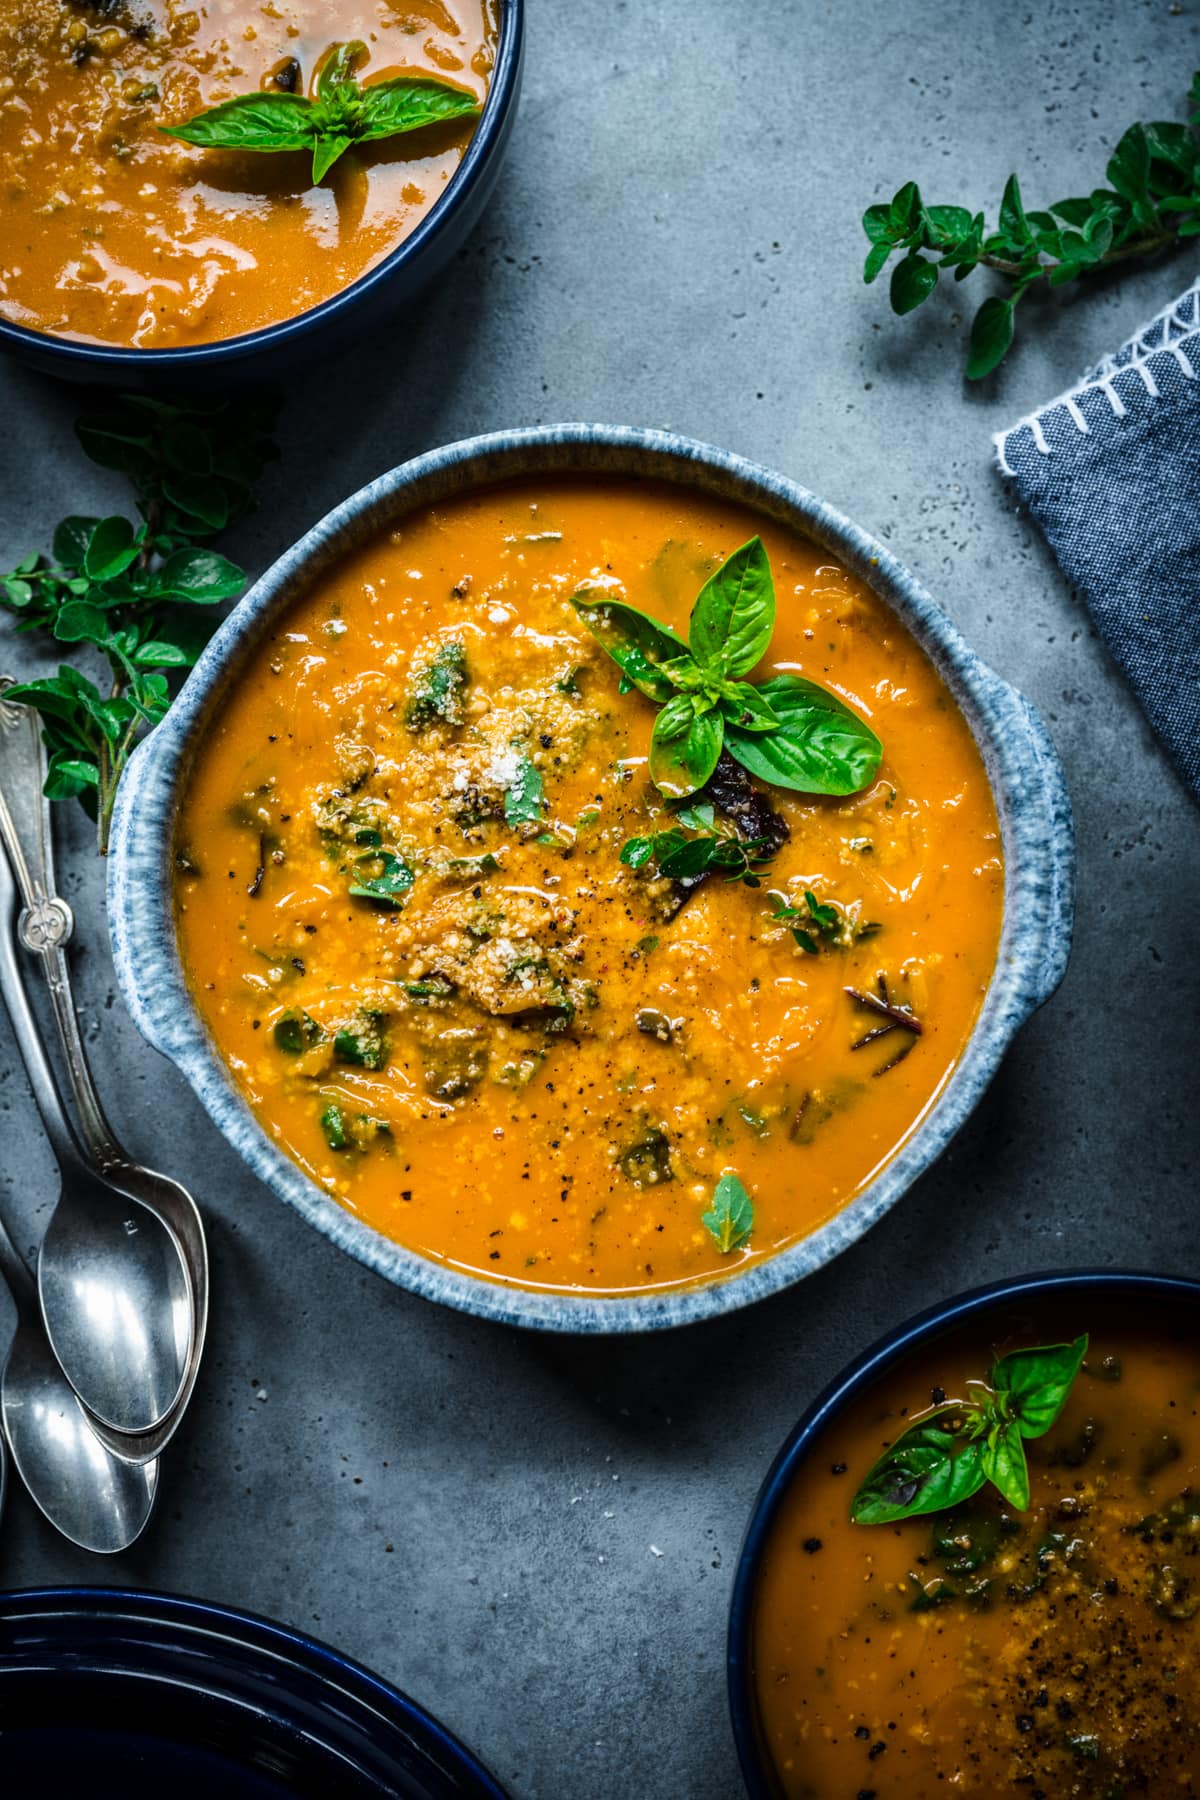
(74,358)
(906,1339)
(1022,766)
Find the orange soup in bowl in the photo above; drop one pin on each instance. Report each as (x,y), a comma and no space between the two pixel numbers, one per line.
(115,233)
(1049,1649)
(494,980)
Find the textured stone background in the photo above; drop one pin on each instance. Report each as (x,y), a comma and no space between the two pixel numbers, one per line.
(675,242)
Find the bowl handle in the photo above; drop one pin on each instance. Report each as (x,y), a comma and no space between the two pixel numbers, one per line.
(1040,810)
(135,877)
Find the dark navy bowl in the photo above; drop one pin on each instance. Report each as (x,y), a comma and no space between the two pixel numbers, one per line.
(1115,1288)
(122,1696)
(347,315)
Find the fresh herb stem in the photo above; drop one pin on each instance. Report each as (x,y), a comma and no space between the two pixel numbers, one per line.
(679,857)
(130,590)
(1152,203)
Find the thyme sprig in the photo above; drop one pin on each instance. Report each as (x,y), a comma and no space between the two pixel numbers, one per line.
(895,1017)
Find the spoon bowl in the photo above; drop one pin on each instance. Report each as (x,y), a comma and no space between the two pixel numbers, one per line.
(98,1500)
(116,1300)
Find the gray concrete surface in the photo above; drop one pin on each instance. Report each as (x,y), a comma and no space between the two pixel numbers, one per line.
(675,242)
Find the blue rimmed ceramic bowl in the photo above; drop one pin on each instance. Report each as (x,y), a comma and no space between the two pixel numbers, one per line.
(130,1696)
(345,316)
(1023,769)
(1006,1305)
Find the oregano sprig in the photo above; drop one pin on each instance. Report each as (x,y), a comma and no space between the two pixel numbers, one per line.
(342,114)
(1152,202)
(786,730)
(954,1450)
(128,589)
(680,857)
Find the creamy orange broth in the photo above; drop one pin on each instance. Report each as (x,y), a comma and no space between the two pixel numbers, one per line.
(1053,1653)
(114,234)
(565,1147)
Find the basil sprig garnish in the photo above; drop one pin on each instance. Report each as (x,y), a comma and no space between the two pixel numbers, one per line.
(786,730)
(947,1456)
(341,115)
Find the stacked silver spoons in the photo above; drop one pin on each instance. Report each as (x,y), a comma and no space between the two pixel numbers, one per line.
(122,1269)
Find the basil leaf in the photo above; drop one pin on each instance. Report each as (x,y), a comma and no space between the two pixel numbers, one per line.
(731,1219)
(679,857)
(256,121)
(337,71)
(734,614)
(991,335)
(200,577)
(79,623)
(637,851)
(927,1468)
(820,747)
(202,496)
(638,644)
(684,746)
(326,151)
(71,538)
(69,776)
(156,653)
(695,815)
(1037,1382)
(523,800)
(408,103)
(1013,223)
(362,1044)
(1004,1465)
(913,280)
(296,1032)
(333,1124)
(394,879)
(1128,170)
(748,708)
(111,548)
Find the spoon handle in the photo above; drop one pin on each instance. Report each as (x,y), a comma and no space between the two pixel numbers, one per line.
(16,1275)
(29,1040)
(45,923)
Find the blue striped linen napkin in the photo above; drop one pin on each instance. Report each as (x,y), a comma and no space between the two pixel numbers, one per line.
(1111,472)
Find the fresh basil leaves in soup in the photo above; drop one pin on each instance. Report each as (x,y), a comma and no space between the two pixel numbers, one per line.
(343,113)
(787,730)
(734,614)
(950,1454)
(641,647)
(820,747)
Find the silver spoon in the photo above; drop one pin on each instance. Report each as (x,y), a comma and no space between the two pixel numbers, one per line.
(93,1497)
(115,1293)
(44,928)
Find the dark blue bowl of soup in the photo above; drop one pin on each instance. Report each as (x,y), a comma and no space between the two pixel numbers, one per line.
(360,308)
(121,1696)
(1017,1306)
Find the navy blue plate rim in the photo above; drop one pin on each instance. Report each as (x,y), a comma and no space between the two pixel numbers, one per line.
(77,358)
(902,1340)
(252,1632)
